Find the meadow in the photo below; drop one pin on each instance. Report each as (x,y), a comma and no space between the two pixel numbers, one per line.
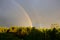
(29,33)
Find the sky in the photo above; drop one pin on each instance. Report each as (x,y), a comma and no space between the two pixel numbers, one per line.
(29,12)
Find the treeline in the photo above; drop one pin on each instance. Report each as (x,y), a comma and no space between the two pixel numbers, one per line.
(27,33)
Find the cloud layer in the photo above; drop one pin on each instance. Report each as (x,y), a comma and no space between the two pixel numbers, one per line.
(43,12)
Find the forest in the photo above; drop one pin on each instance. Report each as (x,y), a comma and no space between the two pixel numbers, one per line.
(29,33)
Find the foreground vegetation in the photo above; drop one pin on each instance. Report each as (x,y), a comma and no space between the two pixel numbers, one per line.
(28,33)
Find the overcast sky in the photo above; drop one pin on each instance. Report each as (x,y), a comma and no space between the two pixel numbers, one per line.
(40,12)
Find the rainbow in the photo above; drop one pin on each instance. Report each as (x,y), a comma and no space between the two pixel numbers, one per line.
(25,13)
